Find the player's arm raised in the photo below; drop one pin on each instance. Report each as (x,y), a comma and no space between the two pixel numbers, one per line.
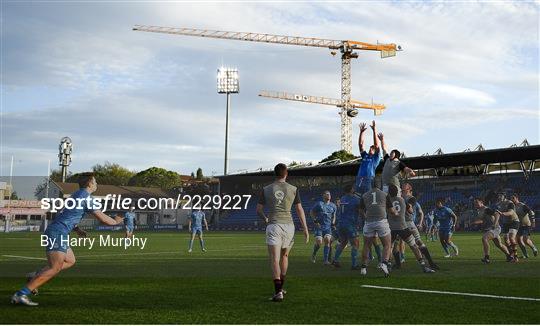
(380,136)
(375,138)
(106,219)
(361,137)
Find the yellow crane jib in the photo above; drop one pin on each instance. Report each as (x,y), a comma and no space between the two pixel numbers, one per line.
(347,48)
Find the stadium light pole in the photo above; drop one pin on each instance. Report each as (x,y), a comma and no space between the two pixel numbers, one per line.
(227,83)
(64,155)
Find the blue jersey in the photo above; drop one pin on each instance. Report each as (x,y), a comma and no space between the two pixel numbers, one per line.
(324,213)
(129,219)
(443,215)
(369,164)
(348,209)
(68,218)
(196,219)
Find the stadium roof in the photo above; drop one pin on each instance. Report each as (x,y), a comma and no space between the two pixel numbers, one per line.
(484,161)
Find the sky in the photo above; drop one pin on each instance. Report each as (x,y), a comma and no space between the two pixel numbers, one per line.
(468,75)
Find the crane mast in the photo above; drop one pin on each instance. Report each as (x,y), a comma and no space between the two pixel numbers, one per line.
(347,49)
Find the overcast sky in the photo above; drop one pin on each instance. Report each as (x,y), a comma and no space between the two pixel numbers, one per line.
(468,75)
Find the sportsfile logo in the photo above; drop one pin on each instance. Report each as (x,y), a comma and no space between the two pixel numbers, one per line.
(114,202)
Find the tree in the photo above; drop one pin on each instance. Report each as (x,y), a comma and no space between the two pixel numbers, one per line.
(14,196)
(342,155)
(199,174)
(156,177)
(192,175)
(112,174)
(56,175)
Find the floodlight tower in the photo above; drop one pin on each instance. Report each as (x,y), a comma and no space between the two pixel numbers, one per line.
(64,155)
(227,83)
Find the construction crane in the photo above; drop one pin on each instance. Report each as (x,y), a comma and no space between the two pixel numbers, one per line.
(347,48)
(354,105)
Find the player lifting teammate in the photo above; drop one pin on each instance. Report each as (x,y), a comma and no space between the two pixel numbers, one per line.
(373,206)
(279,197)
(413,210)
(400,231)
(59,255)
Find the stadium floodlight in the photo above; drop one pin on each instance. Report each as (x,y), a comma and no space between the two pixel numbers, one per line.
(64,155)
(227,83)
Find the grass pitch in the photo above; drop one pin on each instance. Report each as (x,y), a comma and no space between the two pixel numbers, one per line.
(231,284)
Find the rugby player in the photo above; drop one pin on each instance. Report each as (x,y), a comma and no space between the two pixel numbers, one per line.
(195,222)
(59,255)
(492,230)
(129,222)
(324,217)
(447,225)
(279,197)
(525,215)
(370,160)
(349,208)
(393,167)
(373,205)
(429,227)
(510,222)
(400,230)
(413,211)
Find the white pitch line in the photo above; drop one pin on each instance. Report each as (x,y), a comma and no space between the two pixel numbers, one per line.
(24,257)
(454,293)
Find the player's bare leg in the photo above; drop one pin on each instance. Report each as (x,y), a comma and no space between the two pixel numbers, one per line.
(274,252)
(387,251)
(528,241)
(284,265)
(327,245)
(365,254)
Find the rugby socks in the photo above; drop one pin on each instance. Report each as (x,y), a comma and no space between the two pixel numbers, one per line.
(370,255)
(397,259)
(278,286)
(330,253)
(454,247)
(354,256)
(339,250)
(378,252)
(191,244)
(326,251)
(425,252)
(202,243)
(316,248)
(24,291)
(445,248)
(523,250)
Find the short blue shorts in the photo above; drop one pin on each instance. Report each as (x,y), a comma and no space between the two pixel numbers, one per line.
(445,232)
(322,231)
(56,235)
(196,230)
(130,228)
(348,232)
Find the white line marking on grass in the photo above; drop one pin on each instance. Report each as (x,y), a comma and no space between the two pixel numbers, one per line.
(24,257)
(454,293)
